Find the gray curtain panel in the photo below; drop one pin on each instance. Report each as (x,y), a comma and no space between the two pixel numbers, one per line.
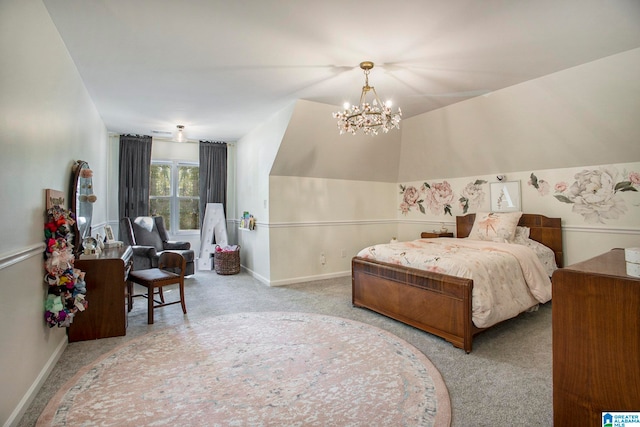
(135,166)
(213,175)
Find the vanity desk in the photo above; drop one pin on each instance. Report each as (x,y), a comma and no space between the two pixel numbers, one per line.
(106,280)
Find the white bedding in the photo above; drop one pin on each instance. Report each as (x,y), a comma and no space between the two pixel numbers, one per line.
(508,278)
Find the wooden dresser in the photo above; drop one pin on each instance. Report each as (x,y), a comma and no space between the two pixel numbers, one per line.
(106,279)
(596,340)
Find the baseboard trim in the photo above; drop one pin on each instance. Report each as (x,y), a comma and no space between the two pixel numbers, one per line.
(291,281)
(30,395)
(305,279)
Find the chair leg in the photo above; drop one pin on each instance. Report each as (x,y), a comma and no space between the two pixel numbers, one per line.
(129,296)
(161,295)
(150,305)
(184,306)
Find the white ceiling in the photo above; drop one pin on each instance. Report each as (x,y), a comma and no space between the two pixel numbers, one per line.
(222,67)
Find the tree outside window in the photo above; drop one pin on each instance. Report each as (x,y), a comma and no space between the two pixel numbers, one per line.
(174,194)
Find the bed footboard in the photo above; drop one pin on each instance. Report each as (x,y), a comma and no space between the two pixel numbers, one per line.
(435,303)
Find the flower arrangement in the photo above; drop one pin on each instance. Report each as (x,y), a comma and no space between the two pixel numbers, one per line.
(67,288)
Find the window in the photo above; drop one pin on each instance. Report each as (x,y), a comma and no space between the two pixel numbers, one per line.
(173,194)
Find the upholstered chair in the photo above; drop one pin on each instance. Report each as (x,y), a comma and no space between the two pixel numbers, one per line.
(171,270)
(148,238)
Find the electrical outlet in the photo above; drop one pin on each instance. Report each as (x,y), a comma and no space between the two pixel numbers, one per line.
(343,253)
(323,259)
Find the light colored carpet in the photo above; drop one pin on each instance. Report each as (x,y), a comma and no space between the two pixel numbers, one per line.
(257,368)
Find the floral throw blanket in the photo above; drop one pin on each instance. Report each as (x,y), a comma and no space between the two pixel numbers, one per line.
(507,278)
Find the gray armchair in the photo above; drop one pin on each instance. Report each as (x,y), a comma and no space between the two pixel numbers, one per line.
(148,239)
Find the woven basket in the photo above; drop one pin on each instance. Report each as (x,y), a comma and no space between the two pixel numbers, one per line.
(226,262)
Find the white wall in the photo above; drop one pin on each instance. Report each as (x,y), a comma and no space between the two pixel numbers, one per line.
(255,154)
(316,217)
(47,120)
(585,115)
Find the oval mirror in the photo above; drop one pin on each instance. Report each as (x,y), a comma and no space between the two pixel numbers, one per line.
(82,199)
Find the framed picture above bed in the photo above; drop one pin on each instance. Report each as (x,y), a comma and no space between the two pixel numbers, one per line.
(505,196)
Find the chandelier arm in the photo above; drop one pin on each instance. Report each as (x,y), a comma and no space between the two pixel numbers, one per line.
(363,95)
(377,98)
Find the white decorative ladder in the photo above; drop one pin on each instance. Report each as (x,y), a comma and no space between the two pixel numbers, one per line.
(214,227)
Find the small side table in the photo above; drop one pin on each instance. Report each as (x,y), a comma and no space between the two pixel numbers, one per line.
(434,234)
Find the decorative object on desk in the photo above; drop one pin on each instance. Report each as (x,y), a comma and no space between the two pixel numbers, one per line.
(100,241)
(505,196)
(90,248)
(67,289)
(108,232)
(54,198)
(632,258)
(114,244)
(226,260)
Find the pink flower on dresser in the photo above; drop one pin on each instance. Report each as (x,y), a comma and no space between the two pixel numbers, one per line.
(634,177)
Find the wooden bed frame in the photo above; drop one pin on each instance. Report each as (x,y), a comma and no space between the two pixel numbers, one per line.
(436,303)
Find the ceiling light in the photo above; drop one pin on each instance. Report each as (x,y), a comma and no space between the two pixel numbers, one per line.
(368,117)
(180,136)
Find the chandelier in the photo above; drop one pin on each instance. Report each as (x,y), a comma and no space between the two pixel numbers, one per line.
(369,117)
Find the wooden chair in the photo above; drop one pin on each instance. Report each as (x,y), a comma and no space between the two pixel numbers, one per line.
(171,270)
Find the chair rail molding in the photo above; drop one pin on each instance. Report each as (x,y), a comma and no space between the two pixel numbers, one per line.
(11,258)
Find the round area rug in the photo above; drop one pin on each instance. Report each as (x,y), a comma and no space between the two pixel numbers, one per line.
(263,368)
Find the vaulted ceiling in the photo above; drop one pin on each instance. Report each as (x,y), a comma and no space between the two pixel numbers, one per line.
(220,68)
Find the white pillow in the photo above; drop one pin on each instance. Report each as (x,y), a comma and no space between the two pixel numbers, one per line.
(522,234)
(495,226)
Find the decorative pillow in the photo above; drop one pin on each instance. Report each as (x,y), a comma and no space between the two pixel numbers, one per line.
(495,226)
(522,234)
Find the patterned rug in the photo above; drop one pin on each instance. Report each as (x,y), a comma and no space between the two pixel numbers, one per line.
(263,368)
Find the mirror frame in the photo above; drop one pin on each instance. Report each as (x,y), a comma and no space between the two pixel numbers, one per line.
(74,204)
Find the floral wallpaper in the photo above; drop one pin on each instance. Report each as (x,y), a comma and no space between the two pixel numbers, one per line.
(594,193)
(597,195)
(439,196)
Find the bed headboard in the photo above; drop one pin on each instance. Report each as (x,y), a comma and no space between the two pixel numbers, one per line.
(547,231)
